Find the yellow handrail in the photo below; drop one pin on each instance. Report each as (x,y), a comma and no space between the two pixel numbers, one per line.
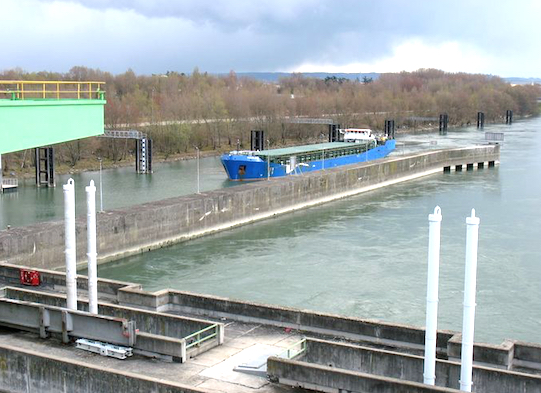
(20,90)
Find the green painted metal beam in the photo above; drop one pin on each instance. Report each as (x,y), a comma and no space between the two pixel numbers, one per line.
(26,124)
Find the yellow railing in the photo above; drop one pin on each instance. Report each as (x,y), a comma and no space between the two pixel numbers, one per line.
(21,90)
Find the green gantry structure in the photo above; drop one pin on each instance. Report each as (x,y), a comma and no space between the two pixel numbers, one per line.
(42,113)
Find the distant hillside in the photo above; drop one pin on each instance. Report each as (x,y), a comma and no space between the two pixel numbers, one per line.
(523,81)
(274,76)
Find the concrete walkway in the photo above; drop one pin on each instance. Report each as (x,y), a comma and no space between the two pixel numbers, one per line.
(212,371)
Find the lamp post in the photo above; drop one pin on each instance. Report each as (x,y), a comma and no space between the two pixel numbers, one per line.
(101,188)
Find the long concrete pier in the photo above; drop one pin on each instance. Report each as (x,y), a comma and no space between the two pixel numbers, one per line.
(152,225)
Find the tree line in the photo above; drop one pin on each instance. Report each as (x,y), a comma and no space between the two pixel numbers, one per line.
(180,111)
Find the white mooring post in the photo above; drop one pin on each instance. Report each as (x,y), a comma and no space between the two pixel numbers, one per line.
(71,255)
(91,251)
(470,282)
(432,296)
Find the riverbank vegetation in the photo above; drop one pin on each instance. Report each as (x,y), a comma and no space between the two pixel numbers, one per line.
(216,113)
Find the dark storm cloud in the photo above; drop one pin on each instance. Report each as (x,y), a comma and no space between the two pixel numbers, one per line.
(153,35)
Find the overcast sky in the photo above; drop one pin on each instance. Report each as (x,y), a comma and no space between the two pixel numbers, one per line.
(500,37)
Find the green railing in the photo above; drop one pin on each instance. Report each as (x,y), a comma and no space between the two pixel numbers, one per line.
(294,350)
(199,338)
(21,90)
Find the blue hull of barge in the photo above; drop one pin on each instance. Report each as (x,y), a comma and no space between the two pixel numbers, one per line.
(244,167)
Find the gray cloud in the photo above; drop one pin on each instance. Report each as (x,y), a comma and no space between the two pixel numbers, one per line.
(247,35)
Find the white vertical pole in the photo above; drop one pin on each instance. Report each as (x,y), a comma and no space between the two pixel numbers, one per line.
(91,243)
(470,282)
(71,254)
(432,296)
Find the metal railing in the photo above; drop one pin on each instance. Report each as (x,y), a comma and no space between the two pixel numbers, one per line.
(21,90)
(10,182)
(494,136)
(199,338)
(294,350)
(130,134)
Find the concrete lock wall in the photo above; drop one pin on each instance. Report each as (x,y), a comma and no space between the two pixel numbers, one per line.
(396,335)
(329,379)
(156,224)
(28,371)
(410,367)
(146,321)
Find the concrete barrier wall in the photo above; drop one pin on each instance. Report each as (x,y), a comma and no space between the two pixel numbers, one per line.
(396,335)
(410,367)
(146,321)
(28,371)
(527,352)
(151,225)
(494,355)
(49,279)
(329,379)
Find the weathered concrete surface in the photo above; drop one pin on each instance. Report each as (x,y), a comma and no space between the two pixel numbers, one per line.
(510,355)
(410,367)
(329,379)
(157,333)
(25,370)
(156,224)
(28,364)
(252,329)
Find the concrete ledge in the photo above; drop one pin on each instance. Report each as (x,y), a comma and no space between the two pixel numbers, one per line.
(410,367)
(52,280)
(28,371)
(329,379)
(492,355)
(394,335)
(162,334)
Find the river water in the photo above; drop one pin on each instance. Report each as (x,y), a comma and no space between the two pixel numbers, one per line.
(366,255)
(121,187)
(362,256)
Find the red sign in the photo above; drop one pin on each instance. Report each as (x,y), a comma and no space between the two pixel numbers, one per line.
(29,277)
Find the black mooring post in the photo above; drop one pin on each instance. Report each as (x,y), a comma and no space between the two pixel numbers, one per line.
(509,117)
(50,167)
(45,167)
(257,140)
(149,155)
(137,155)
(389,128)
(334,133)
(444,122)
(38,163)
(480,119)
(143,155)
